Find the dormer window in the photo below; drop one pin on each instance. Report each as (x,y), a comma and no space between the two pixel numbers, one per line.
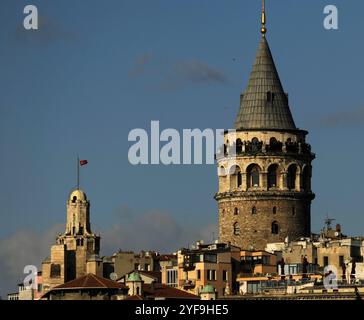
(270,96)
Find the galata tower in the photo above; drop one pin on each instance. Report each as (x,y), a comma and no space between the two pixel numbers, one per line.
(264,169)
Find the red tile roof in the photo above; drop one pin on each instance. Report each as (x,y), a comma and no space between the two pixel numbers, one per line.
(91,281)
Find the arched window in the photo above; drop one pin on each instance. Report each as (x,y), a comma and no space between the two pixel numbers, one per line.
(253,176)
(274,145)
(291,177)
(236,211)
(274,210)
(275,227)
(239,146)
(272,176)
(254,210)
(74,199)
(236,229)
(236,179)
(256,145)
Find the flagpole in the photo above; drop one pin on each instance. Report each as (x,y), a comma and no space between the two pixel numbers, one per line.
(78,173)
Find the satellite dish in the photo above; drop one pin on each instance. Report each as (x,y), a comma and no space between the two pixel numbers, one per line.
(113,276)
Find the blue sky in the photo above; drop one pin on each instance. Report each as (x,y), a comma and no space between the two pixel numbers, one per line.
(95,71)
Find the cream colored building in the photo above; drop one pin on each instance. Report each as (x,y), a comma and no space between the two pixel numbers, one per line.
(213,264)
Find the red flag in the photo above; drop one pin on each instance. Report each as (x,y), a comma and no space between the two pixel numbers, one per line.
(83,162)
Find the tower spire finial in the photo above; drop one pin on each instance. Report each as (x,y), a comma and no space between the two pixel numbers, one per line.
(263,29)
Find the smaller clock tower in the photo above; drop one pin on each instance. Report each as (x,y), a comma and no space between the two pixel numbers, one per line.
(76,252)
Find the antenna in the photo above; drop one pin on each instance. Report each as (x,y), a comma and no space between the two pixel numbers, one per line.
(328,222)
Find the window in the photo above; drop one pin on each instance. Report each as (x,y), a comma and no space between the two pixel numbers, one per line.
(291,177)
(326,261)
(236,229)
(55,270)
(224,275)
(198,274)
(254,210)
(212,258)
(253,176)
(272,176)
(341,261)
(270,96)
(275,227)
(239,146)
(146,267)
(172,278)
(236,178)
(213,275)
(274,210)
(74,199)
(236,211)
(274,145)
(239,182)
(293,211)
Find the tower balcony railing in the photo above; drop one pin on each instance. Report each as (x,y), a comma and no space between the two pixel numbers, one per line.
(293,149)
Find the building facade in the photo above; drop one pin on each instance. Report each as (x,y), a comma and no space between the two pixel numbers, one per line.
(208,264)
(264,169)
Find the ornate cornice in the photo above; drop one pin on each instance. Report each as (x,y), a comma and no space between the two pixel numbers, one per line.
(264,195)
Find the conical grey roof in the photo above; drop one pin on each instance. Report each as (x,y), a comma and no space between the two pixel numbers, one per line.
(264,104)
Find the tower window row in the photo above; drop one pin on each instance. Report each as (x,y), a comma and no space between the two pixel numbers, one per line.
(254,210)
(276,177)
(237,230)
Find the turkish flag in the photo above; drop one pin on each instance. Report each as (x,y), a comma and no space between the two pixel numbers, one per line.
(83,162)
